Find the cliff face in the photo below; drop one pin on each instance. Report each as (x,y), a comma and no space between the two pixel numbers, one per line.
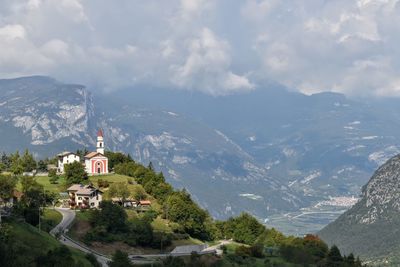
(371,227)
(36,111)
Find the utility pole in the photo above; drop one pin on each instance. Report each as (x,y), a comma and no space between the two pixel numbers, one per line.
(39,218)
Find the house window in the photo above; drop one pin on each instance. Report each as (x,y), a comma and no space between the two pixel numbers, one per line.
(79,198)
(98,163)
(97,197)
(101,144)
(92,204)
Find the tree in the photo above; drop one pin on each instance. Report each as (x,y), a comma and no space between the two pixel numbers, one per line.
(244,228)
(141,231)
(119,190)
(350,260)
(75,173)
(53,177)
(6,160)
(33,199)
(60,256)
(42,166)
(16,166)
(139,193)
(92,259)
(120,259)
(115,158)
(315,246)
(7,185)
(28,162)
(150,166)
(112,217)
(181,209)
(334,258)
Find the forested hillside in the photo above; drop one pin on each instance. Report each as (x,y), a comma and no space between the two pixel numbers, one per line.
(175,210)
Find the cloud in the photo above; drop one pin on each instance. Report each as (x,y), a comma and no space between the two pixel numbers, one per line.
(207,66)
(217,47)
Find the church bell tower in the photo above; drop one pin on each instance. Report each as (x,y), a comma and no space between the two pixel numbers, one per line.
(100,142)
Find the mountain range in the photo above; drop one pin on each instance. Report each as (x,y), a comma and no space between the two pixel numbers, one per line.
(280,155)
(370,227)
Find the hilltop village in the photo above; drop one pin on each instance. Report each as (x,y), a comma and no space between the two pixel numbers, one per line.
(116,212)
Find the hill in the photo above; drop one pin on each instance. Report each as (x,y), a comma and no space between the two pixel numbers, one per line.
(172,219)
(25,244)
(370,228)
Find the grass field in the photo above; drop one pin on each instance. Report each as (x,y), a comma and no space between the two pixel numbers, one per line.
(56,188)
(111,178)
(34,242)
(50,218)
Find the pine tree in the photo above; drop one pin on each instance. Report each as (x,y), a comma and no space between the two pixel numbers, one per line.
(334,258)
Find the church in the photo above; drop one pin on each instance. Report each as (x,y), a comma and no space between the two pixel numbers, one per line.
(96,162)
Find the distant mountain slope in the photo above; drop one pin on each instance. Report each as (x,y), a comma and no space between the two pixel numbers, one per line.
(371,227)
(220,175)
(324,146)
(44,115)
(271,151)
(47,117)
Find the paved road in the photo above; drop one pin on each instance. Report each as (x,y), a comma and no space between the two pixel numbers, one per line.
(62,228)
(217,248)
(68,218)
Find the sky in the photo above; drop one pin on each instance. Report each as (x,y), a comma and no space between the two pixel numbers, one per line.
(218,47)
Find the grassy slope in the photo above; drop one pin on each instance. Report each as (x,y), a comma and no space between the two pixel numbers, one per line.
(50,218)
(273,261)
(34,243)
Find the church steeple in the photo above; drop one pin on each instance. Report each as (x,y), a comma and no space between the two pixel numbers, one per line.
(100,142)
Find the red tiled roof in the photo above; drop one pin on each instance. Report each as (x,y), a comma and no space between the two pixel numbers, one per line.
(145,202)
(100,133)
(93,154)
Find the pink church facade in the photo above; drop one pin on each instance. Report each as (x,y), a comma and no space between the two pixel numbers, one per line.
(95,162)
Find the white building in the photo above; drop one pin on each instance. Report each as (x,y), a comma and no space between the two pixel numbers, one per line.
(84,196)
(96,162)
(66,158)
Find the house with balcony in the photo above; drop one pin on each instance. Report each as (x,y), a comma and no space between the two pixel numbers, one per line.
(84,196)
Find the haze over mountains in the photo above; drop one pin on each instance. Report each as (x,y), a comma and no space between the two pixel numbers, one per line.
(278,154)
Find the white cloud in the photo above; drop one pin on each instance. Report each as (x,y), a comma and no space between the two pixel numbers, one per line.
(207,66)
(11,32)
(217,47)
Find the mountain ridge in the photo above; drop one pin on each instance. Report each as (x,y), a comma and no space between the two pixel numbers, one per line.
(369,228)
(277,154)
(51,117)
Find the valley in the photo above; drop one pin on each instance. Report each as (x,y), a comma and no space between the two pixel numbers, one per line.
(268,157)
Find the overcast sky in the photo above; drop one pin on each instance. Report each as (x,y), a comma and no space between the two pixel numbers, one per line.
(215,46)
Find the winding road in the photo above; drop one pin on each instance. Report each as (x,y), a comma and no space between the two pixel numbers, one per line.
(62,229)
(68,217)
